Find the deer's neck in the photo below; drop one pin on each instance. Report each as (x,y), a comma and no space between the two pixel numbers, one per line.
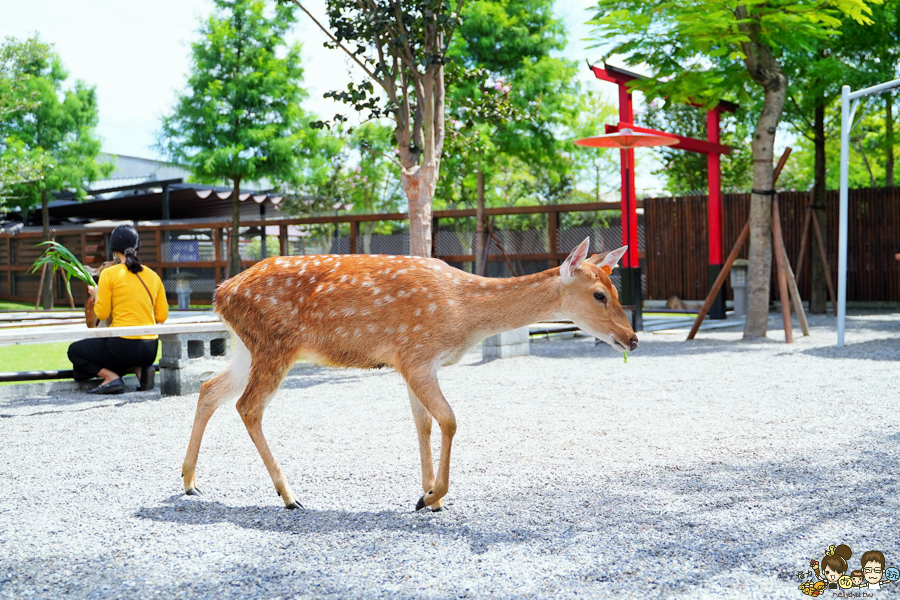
(504,304)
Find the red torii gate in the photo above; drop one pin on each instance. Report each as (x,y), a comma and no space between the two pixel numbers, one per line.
(710,146)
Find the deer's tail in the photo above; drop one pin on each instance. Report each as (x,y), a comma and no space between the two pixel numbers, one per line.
(232,382)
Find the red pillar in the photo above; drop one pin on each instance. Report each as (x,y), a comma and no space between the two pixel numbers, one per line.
(629,203)
(713,162)
(714,212)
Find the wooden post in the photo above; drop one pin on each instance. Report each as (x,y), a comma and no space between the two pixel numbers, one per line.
(283,241)
(804,238)
(37,302)
(720,280)
(553,225)
(354,231)
(781,273)
(828,280)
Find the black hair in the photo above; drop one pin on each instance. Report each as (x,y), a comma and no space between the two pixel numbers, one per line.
(125,239)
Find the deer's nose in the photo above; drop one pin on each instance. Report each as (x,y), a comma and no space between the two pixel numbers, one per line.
(633,342)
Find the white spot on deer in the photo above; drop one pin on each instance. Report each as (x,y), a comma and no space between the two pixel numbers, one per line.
(377,302)
(357,332)
(417,328)
(403,339)
(348,311)
(320,286)
(330,288)
(302,326)
(418,312)
(247,293)
(370,328)
(312,279)
(402,327)
(389,330)
(367,284)
(274,301)
(336,265)
(332,313)
(535,284)
(376,291)
(365,312)
(483,284)
(402,294)
(432,307)
(392,256)
(343,278)
(257,298)
(389,298)
(353,281)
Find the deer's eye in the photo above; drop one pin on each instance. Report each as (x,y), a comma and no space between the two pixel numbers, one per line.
(600,297)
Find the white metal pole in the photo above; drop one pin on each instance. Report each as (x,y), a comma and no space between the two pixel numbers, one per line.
(842,231)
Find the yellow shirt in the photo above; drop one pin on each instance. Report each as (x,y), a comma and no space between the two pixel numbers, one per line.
(120,294)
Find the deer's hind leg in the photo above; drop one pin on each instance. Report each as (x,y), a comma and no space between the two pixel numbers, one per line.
(423,384)
(423,428)
(261,388)
(226,386)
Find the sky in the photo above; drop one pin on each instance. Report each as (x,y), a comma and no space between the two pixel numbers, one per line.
(137,54)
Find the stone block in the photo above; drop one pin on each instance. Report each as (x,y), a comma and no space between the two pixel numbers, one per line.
(507,344)
(189,359)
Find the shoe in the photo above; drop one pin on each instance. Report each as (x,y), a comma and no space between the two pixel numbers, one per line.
(146,379)
(116,386)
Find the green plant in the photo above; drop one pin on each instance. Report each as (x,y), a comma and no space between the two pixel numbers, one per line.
(59,257)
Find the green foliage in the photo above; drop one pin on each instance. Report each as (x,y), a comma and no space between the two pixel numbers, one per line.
(597,166)
(708,50)
(509,97)
(58,257)
(240,118)
(47,139)
(686,172)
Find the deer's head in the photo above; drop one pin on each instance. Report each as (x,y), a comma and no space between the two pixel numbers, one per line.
(591,300)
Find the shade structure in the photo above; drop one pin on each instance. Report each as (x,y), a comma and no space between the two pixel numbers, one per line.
(626,139)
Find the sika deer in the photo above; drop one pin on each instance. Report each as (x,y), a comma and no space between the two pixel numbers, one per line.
(413,314)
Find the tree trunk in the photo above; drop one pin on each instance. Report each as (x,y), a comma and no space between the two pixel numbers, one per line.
(818,293)
(759,272)
(47,289)
(479,225)
(419,184)
(889,142)
(235,250)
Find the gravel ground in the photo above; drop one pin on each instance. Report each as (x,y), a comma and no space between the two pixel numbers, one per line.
(716,468)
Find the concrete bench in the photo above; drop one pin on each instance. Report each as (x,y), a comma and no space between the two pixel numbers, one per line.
(187,347)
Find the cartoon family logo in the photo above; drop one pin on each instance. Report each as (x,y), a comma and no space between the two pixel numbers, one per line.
(872,574)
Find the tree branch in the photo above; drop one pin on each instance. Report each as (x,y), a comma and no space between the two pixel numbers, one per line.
(341,46)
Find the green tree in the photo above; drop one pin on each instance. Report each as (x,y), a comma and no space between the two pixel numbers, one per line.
(401,47)
(240,118)
(18,163)
(593,166)
(51,130)
(687,172)
(706,50)
(509,94)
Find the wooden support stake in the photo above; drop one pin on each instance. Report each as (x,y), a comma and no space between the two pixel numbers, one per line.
(502,251)
(795,294)
(720,280)
(804,237)
(37,302)
(726,268)
(828,280)
(781,273)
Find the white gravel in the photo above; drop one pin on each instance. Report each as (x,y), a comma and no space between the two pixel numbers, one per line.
(715,468)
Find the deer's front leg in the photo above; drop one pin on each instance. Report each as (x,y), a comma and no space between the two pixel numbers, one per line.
(423,428)
(424,385)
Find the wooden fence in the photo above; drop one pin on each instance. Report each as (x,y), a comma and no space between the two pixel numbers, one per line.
(677,247)
(543,237)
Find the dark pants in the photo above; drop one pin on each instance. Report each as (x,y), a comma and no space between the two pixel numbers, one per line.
(119,355)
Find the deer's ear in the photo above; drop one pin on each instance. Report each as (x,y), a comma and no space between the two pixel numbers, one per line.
(608,259)
(569,268)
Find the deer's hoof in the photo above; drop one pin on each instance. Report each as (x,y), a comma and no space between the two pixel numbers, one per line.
(294,505)
(192,491)
(421,503)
